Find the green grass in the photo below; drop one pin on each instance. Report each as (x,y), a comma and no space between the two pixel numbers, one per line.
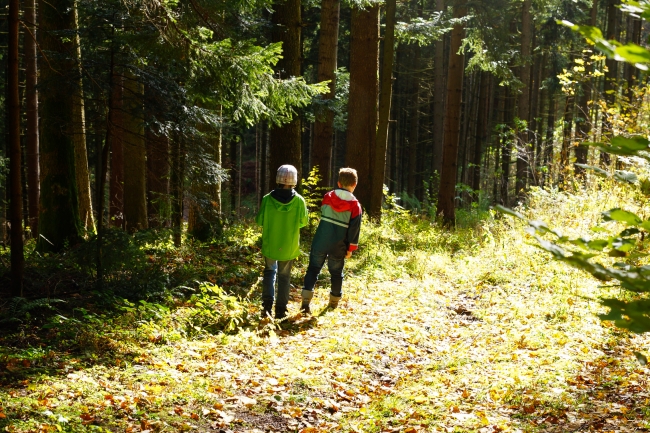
(438,330)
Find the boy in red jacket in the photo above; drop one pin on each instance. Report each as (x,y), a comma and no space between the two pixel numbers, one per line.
(336,237)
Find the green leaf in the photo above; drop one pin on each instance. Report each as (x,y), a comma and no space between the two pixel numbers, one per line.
(622,216)
(597,170)
(634,54)
(630,143)
(597,244)
(626,176)
(509,211)
(629,232)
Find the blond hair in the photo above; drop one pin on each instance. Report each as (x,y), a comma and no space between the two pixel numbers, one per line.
(348,177)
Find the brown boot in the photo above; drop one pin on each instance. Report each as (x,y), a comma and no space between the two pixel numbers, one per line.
(306,299)
(334,301)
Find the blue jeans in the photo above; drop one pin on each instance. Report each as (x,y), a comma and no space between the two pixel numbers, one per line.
(335,266)
(283,271)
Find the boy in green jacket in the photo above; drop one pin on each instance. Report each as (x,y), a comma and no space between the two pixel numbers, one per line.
(282,213)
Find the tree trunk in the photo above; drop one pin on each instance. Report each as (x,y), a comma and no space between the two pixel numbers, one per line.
(523,154)
(285,139)
(59,222)
(610,86)
(116,137)
(362,106)
(31,98)
(550,129)
(481,131)
(446,205)
(135,167)
(157,178)
(324,125)
(16,196)
(414,121)
(176,185)
(438,98)
(385,98)
(79,134)
(506,147)
(567,130)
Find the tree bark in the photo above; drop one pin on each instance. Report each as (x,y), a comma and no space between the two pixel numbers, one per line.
(16,196)
(116,137)
(506,147)
(324,125)
(59,222)
(135,168)
(157,178)
(446,205)
(176,185)
(362,106)
(438,98)
(550,129)
(523,154)
(79,135)
(31,99)
(414,121)
(285,139)
(385,98)
(481,131)
(567,131)
(610,86)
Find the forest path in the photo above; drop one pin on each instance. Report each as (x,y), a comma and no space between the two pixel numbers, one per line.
(467,343)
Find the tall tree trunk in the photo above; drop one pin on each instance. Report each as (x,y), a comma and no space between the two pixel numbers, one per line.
(523,156)
(135,167)
(59,221)
(438,97)
(79,134)
(116,137)
(16,197)
(414,121)
(285,139)
(31,97)
(324,125)
(177,156)
(506,147)
(611,83)
(362,105)
(583,116)
(446,205)
(157,178)
(385,98)
(567,135)
(550,129)
(481,131)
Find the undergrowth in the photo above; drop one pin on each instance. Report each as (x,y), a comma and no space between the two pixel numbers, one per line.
(458,325)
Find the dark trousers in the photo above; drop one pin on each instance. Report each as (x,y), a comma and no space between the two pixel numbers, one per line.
(335,266)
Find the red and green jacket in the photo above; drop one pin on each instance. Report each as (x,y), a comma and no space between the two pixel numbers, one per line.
(281,215)
(340,224)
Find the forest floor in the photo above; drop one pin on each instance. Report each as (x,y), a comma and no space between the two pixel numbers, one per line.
(492,337)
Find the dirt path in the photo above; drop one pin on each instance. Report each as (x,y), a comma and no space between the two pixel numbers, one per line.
(463,350)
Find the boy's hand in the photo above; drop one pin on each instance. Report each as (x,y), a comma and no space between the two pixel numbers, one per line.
(348,255)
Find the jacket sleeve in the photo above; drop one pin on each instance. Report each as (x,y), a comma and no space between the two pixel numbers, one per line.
(304,214)
(259,219)
(354,228)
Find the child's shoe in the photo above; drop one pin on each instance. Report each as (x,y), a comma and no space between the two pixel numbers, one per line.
(334,301)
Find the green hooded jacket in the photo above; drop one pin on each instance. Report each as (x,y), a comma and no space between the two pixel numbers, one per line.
(281,223)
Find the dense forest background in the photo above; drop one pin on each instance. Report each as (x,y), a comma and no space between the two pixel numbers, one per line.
(136,115)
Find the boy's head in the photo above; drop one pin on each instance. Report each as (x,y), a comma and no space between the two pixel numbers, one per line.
(287,176)
(348,178)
